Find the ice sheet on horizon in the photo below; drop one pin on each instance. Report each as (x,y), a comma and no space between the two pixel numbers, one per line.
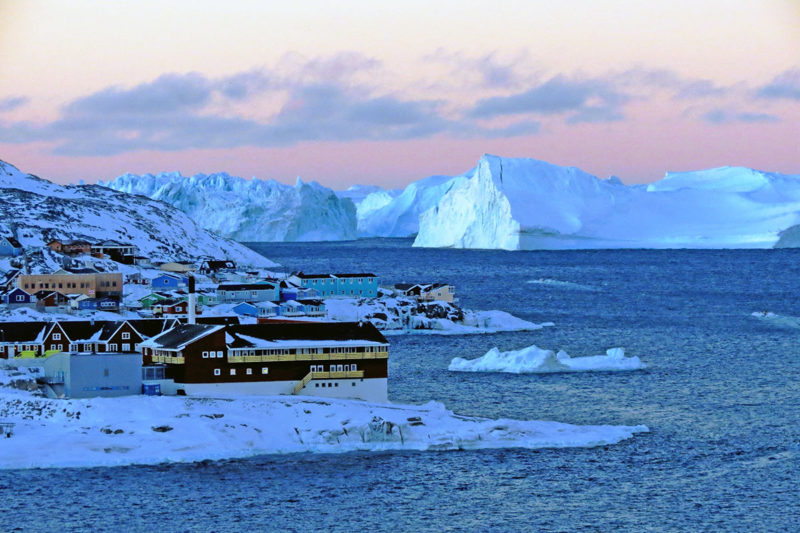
(774,319)
(547,282)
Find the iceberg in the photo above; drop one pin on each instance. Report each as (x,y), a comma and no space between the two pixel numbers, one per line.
(152,429)
(525,204)
(535,360)
(249,210)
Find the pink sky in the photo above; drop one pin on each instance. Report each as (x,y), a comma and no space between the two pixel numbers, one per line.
(366,92)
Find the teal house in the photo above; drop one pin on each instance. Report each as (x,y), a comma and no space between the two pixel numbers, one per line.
(358,285)
(10,247)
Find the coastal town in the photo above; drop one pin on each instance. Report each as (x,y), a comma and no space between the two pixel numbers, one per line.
(109,322)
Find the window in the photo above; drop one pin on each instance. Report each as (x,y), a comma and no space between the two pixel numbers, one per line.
(249,371)
(233,371)
(20,298)
(219,354)
(126,347)
(217,372)
(126,335)
(112,347)
(205,355)
(56,336)
(264,370)
(339,368)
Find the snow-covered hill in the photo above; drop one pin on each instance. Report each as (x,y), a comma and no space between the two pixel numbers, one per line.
(37,211)
(527,204)
(250,210)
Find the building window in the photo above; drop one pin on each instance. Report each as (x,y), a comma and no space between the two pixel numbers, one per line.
(126,347)
(56,336)
(264,370)
(233,371)
(219,354)
(249,371)
(126,335)
(20,298)
(217,372)
(112,347)
(205,355)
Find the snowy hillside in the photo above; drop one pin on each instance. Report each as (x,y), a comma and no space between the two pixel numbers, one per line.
(527,204)
(37,211)
(250,210)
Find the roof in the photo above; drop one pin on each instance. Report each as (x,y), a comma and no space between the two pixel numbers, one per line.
(218,320)
(309,331)
(84,330)
(358,275)
(29,332)
(308,276)
(150,327)
(13,242)
(217,264)
(178,337)
(310,301)
(247,286)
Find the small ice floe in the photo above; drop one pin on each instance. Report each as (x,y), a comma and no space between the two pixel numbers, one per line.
(554,283)
(777,320)
(537,360)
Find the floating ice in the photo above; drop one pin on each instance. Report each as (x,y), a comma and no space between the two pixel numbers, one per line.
(537,360)
(150,430)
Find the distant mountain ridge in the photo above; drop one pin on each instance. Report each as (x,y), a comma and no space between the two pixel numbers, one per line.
(37,211)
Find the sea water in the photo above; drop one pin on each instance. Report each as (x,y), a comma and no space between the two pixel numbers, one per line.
(720,395)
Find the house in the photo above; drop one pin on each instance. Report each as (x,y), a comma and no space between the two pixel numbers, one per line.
(290,291)
(168,281)
(75,247)
(257,309)
(10,247)
(98,304)
(363,285)
(117,251)
(173,308)
(248,292)
(68,375)
(313,307)
(22,339)
(333,359)
(181,268)
(426,292)
(94,284)
(211,267)
(147,301)
(47,298)
(18,298)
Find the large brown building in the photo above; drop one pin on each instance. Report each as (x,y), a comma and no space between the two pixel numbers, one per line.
(95,285)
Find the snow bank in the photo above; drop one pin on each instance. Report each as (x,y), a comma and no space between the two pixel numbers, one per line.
(400,316)
(150,430)
(537,360)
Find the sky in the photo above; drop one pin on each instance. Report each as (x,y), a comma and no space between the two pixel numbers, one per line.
(390,92)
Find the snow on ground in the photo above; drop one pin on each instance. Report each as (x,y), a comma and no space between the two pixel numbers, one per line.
(158,429)
(537,360)
(398,316)
(28,314)
(778,320)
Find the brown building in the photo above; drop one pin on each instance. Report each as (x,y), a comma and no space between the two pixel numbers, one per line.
(95,285)
(333,359)
(76,247)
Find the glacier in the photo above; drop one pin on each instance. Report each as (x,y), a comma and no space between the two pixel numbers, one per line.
(525,204)
(249,210)
(36,211)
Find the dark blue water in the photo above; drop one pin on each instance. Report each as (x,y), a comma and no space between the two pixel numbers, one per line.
(720,395)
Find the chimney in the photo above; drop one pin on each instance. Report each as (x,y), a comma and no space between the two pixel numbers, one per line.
(192,300)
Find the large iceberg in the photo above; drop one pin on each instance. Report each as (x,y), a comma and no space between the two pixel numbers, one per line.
(515,204)
(250,210)
(535,360)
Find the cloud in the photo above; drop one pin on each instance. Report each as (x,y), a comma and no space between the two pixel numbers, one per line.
(723,116)
(700,89)
(13,102)
(589,100)
(783,86)
(487,70)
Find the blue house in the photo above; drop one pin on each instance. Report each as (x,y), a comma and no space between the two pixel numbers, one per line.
(17,298)
(9,246)
(248,292)
(257,309)
(101,304)
(359,285)
(169,281)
